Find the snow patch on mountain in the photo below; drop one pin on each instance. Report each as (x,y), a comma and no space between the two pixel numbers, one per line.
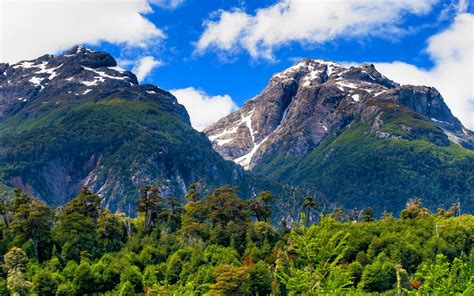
(245,160)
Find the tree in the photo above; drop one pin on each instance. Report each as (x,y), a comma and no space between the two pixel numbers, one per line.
(225,206)
(261,206)
(366,215)
(386,216)
(15,262)
(3,287)
(261,279)
(16,258)
(444,278)
(228,215)
(44,283)
(414,208)
(231,280)
(33,220)
(110,231)
(77,236)
(379,276)
(338,214)
(83,279)
(127,289)
(18,284)
(309,205)
(150,203)
(193,221)
(314,266)
(173,203)
(76,230)
(85,203)
(193,193)
(5,211)
(20,198)
(66,289)
(174,213)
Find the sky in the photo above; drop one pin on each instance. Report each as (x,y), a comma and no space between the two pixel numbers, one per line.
(214,55)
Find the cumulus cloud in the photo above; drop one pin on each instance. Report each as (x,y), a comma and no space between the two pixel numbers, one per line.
(305,21)
(32,28)
(452,51)
(144,66)
(202,108)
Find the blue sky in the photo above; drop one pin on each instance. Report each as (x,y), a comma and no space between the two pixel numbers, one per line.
(227,50)
(243,77)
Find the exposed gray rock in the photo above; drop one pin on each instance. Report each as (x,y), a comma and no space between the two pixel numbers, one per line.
(315,98)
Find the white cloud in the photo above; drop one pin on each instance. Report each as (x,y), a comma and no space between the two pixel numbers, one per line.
(144,65)
(452,51)
(304,21)
(202,108)
(168,4)
(30,28)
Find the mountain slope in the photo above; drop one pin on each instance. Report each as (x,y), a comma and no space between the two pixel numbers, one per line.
(78,119)
(354,136)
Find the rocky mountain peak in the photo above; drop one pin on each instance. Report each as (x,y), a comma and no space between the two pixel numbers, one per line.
(315,98)
(77,73)
(90,58)
(313,72)
(77,119)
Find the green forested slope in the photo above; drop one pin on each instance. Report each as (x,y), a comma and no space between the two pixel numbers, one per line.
(115,142)
(357,169)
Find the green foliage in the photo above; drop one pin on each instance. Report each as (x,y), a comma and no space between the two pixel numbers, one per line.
(231,280)
(261,279)
(216,248)
(44,283)
(83,278)
(150,203)
(85,203)
(356,169)
(66,289)
(444,278)
(32,220)
(316,267)
(17,283)
(16,258)
(76,234)
(3,287)
(414,209)
(379,276)
(150,137)
(127,289)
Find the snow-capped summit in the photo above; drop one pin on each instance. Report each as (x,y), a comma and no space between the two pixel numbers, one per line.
(312,99)
(77,73)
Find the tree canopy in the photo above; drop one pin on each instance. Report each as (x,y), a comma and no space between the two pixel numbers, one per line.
(219,244)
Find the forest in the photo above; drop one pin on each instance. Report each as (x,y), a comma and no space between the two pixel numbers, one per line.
(219,244)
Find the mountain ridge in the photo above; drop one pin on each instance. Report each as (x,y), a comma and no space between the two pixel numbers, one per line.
(356,84)
(79,120)
(318,120)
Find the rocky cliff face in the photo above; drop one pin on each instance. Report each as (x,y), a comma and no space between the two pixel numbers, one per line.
(78,119)
(305,103)
(351,137)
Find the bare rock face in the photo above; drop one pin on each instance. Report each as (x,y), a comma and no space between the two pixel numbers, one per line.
(315,98)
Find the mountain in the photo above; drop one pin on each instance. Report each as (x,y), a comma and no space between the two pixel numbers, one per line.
(79,120)
(353,136)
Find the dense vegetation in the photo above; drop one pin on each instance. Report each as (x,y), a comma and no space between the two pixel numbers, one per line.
(219,244)
(356,169)
(120,142)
